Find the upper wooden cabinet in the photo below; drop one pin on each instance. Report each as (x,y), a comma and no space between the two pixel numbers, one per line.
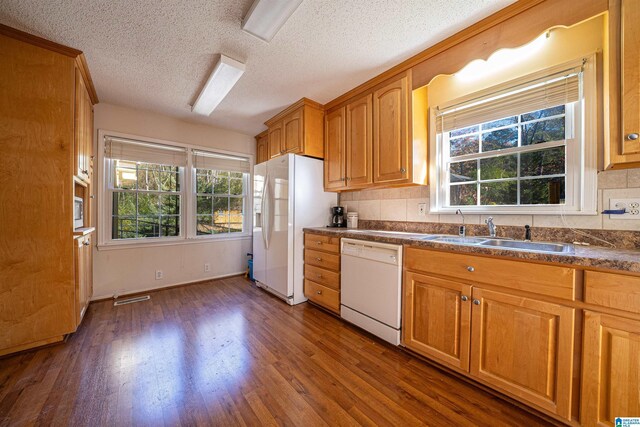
(391,136)
(368,140)
(262,147)
(348,146)
(334,150)
(297,130)
(83,143)
(623,147)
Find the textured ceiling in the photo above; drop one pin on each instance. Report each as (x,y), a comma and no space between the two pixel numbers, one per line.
(156,55)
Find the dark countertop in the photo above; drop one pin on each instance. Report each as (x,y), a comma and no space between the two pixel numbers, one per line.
(625,260)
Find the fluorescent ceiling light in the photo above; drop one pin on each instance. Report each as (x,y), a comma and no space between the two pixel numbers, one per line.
(266,17)
(224,76)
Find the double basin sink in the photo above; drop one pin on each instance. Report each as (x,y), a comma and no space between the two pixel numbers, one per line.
(487,242)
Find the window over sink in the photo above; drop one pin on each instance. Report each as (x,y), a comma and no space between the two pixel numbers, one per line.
(526,146)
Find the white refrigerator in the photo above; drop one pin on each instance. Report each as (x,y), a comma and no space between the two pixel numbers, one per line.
(288,196)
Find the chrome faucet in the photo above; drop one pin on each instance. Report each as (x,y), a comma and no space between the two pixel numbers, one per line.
(462,231)
(491,225)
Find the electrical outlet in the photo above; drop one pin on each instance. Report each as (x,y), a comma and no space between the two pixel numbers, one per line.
(630,206)
(422,209)
(207,267)
(158,274)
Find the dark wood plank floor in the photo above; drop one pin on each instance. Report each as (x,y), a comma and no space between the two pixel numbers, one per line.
(226,353)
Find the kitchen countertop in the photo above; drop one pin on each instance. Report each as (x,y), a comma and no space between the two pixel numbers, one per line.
(627,260)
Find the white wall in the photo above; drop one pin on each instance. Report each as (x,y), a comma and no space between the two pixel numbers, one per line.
(128,270)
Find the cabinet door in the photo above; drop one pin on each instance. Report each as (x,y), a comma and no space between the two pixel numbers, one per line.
(262,153)
(610,369)
(524,347)
(630,58)
(275,140)
(83,267)
(437,318)
(391,112)
(334,154)
(292,128)
(81,160)
(359,144)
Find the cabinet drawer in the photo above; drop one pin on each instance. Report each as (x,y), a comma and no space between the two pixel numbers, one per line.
(524,276)
(322,243)
(322,295)
(612,290)
(323,276)
(322,259)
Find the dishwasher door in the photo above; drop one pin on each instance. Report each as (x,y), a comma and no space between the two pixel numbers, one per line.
(371,278)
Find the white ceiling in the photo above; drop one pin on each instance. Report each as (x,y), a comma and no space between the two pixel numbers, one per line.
(156,55)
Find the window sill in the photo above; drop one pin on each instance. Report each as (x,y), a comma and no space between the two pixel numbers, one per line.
(174,242)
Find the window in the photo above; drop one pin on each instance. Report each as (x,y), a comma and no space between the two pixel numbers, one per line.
(517,148)
(146,200)
(219,201)
(156,192)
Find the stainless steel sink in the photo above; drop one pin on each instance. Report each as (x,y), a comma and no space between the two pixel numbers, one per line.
(459,240)
(530,246)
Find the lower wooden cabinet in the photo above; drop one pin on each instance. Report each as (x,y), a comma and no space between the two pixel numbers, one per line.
(437,318)
(525,347)
(522,346)
(84,275)
(610,369)
(322,270)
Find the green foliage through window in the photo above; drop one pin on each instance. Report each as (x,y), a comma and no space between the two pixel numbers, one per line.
(516,160)
(220,203)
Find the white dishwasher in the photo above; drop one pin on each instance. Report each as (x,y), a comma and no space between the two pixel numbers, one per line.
(371,286)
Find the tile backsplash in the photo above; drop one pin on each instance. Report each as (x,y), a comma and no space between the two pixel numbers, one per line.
(401,204)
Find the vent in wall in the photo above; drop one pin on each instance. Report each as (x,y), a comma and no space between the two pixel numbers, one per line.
(131,300)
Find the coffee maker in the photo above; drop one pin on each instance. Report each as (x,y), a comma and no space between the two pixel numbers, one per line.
(337,217)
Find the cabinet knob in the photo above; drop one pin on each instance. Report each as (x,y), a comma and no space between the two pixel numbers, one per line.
(86,243)
(84,171)
(471,269)
(632,136)
(464,298)
(476,301)
(92,196)
(319,276)
(403,170)
(319,292)
(318,259)
(349,178)
(319,242)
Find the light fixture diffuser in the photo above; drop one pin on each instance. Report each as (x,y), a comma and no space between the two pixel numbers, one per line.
(266,17)
(223,77)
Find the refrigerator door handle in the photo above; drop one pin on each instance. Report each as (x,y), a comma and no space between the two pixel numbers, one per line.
(271,217)
(265,212)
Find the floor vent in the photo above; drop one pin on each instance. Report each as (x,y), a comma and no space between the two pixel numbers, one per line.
(131,300)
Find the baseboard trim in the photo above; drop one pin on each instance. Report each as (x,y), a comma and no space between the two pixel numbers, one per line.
(164,287)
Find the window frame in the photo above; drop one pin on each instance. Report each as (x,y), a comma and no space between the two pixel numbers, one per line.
(188,234)
(581,158)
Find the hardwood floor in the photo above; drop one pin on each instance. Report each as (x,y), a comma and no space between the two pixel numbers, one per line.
(226,353)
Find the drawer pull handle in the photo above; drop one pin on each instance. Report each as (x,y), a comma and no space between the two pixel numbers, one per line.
(476,301)
(471,269)
(318,259)
(319,276)
(464,298)
(318,242)
(319,292)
